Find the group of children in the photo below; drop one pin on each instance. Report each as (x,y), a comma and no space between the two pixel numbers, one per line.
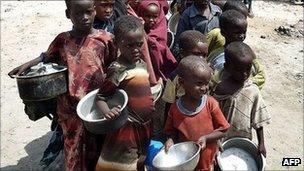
(212,82)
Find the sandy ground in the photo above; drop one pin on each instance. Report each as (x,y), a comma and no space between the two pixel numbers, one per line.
(28,27)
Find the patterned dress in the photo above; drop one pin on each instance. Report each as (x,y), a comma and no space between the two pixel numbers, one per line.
(124,147)
(85,59)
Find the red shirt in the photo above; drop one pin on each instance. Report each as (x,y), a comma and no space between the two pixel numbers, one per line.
(192,127)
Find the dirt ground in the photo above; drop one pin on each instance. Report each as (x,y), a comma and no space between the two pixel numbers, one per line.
(28,27)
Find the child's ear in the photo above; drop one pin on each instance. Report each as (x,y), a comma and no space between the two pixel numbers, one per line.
(180,81)
(67,13)
(114,41)
(223,33)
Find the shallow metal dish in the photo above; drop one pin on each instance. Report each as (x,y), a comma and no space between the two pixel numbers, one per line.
(156,91)
(246,145)
(94,121)
(181,156)
(173,22)
(44,86)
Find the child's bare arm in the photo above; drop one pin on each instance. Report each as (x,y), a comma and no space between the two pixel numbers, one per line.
(20,69)
(212,137)
(108,113)
(260,136)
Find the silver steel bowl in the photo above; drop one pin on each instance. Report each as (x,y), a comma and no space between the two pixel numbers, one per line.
(246,145)
(43,86)
(181,156)
(156,91)
(92,118)
(173,22)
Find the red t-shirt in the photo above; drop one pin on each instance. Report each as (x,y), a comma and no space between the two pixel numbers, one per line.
(191,127)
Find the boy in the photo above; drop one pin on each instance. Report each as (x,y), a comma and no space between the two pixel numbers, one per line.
(125,148)
(104,15)
(201,16)
(95,51)
(214,38)
(240,99)
(233,27)
(192,42)
(196,116)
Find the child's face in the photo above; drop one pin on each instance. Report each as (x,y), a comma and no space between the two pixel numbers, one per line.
(134,3)
(237,33)
(196,84)
(201,49)
(104,10)
(240,69)
(150,16)
(201,4)
(131,45)
(82,15)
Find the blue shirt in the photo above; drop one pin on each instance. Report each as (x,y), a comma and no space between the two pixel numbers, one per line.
(193,19)
(104,25)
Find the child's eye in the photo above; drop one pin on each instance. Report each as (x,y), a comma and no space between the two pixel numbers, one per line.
(139,44)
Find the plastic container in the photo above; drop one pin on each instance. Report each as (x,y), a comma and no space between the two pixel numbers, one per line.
(154,148)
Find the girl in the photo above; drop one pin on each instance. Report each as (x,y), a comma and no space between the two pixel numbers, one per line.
(125,149)
(156,27)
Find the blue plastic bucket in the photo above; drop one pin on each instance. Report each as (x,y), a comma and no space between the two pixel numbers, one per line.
(154,148)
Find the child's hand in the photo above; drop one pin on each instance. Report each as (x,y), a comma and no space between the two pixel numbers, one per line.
(168,144)
(113,113)
(202,142)
(19,70)
(262,149)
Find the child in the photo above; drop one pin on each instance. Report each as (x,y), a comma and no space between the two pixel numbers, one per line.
(240,99)
(104,15)
(125,149)
(156,28)
(85,73)
(233,26)
(201,16)
(214,37)
(192,43)
(196,116)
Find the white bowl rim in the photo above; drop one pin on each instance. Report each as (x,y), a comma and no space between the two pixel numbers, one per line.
(242,139)
(186,142)
(95,92)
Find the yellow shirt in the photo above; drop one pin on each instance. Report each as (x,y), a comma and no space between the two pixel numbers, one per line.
(173,90)
(215,39)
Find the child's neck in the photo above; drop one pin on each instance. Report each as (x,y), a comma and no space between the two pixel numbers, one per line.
(228,86)
(190,103)
(127,63)
(79,34)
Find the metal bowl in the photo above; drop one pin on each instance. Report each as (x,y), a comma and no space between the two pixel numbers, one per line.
(181,156)
(92,118)
(42,86)
(156,91)
(170,39)
(173,22)
(245,146)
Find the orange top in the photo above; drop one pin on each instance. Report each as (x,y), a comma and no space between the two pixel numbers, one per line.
(191,127)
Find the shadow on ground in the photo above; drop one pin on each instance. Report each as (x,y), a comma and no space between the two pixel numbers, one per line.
(35,151)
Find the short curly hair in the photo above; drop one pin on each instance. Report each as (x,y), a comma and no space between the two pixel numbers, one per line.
(231,18)
(190,64)
(236,5)
(189,39)
(126,23)
(238,50)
